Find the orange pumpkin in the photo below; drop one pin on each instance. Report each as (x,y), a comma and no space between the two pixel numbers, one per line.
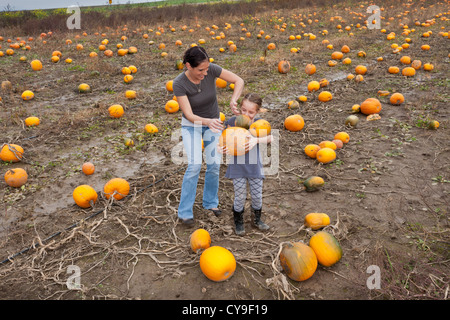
(326,155)
(313,86)
(260,128)
(298,261)
(294,123)
(360,69)
(235,140)
(117,187)
(220,83)
(36,65)
(16,177)
(342,136)
(151,128)
(326,247)
(11,152)
(88,168)
(370,106)
(408,71)
(397,99)
(116,111)
(394,70)
(84,196)
(32,121)
(316,221)
(284,66)
(200,239)
(217,263)
(325,96)
(310,69)
(311,150)
(172,106)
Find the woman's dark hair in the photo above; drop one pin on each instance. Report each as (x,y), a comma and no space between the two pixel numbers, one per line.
(195,55)
(255,98)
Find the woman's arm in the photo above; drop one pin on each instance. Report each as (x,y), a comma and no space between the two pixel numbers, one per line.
(238,82)
(214,124)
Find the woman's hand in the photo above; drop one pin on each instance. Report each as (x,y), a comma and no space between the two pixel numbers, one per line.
(234,108)
(216,125)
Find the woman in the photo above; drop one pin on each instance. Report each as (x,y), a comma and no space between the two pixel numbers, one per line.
(195,89)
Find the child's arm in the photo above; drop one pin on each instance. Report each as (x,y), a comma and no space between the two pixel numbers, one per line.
(253,141)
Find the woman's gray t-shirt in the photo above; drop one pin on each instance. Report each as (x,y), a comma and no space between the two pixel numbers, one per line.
(204,103)
(248,165)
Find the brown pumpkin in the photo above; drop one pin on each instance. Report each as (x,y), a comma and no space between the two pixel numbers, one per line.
(284,66)
(298,261)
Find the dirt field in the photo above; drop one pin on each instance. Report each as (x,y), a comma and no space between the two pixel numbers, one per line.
(387,192)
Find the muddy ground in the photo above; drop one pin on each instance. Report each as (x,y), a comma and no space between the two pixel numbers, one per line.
(387,191)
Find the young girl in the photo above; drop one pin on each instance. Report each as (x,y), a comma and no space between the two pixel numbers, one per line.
(247,168)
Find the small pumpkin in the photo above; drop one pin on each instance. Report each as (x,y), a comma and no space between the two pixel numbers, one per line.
(294,123)
(84,196)
(83,88)
(326,247)
(313,183)
(16,177)
(360,69)
(116,111)
(316,220)
(217,263)
(343,136)
(11,152)
(408,71)
(27,95)
(200,239)
(32,121)
(172,106)
(311,150)
(397,99)
(150,128)
(119,188)
(260,128)
(313,86)
(284,66)
(325,96)
(326,155)
(310,69)
(88,168)
(36,65)
(298,260)
(243,121)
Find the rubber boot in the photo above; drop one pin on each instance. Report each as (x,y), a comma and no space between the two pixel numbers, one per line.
(239,222)
(258,223)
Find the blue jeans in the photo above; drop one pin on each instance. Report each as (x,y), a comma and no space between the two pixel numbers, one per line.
(192,142)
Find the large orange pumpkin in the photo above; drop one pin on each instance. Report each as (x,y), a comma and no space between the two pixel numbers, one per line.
(11,152)
(370,106)
(116,187)
(326,247)
(16,177)
(298,261)
(294,123)
(235,139)
(84,196)
(217,263)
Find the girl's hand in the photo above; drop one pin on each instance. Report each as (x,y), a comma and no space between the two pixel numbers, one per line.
(252,141)
(222,150)
(216,125)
